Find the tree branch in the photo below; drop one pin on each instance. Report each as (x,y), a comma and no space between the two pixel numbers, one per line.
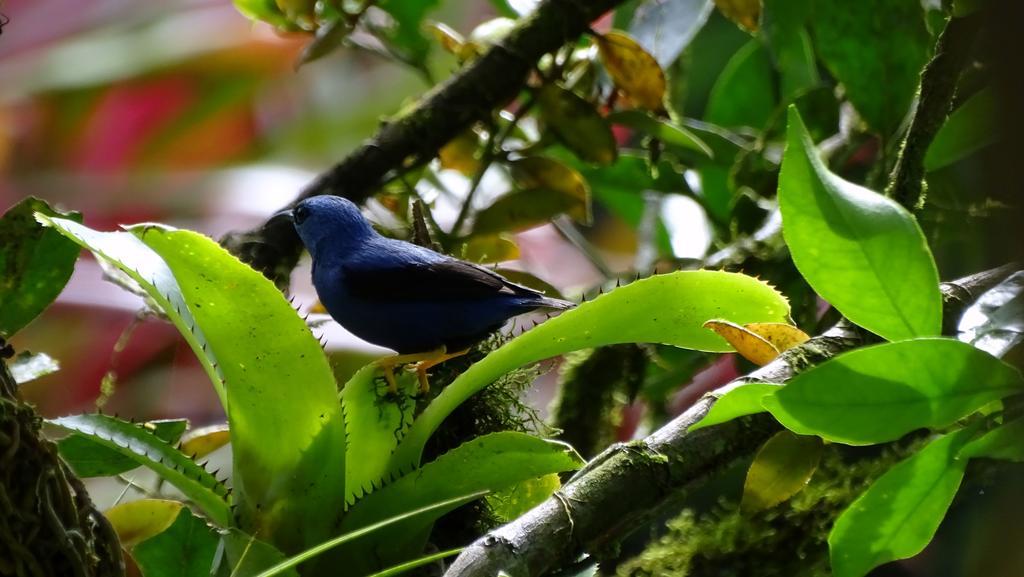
(938,86)
(415,137)
(624,487)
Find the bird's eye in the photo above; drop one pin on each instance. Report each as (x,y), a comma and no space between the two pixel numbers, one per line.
(300,214)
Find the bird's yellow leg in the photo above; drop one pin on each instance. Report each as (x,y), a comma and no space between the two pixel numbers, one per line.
(387,364)
(424,365)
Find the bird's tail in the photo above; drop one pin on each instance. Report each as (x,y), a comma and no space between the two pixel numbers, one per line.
(555,304)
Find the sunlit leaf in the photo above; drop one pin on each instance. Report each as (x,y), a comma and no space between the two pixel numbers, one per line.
(752,346)
(203,441)
(782,336)
(746,13)
(509,504)
(995,320)
(859,250)
(635,72)
(668,309)
(186,549)
(876,49)
(1004,442)
(139,520)
(737,401)
(577,124)
(142,446)
(36,264)
(880,393)
(780,470)
(490,32)
(664,131)
(971,127)
(491,248)
(899,513)
(28,366)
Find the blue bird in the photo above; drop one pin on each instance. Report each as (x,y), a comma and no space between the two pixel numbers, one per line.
(426,306)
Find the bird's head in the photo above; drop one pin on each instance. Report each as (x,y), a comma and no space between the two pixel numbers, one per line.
(330,223)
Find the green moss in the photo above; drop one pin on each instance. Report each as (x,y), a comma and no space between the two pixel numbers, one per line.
(788,540)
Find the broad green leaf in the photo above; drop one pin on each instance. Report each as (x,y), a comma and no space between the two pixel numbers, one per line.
(35,264)
(664,131)
(743,399)
(971,126)
(744,94)
(186,549)
(145,448)
(290,480)
(510,503)
(876,49)
(780,470)
(784,31)
(1004,442)
(488,463)
(374,422)
(577,124)
(880,393)
(247,555)
(667,309)
(898,514)
(137,521)
(28,366)
(859,250)
(285,566)
(524,209)
(634,72)
(665,28)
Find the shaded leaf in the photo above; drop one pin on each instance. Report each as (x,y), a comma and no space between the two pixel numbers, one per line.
(186,549)
(247,555)
(899,513)
(88,458)
(142,446)
(577,124)
(548,173)
(745,13)
(460,154)
(634,72)
(665,29)
(527,279)
(406,35)
(490,248)
(35,264)
(880,393)
(970,127)
(859,250)
(744,94)
(667,309)
(523,209)
(784,30)
(876,49)
(1004,442)
(28,366)
(139,520)
(781,469)
(735,402)
(664,131)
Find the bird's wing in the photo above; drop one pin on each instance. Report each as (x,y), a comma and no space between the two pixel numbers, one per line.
(443,280)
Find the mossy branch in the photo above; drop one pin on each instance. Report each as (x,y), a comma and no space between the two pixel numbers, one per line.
(621,489)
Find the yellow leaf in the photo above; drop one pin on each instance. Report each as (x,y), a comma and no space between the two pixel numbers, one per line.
(460,153)
(542,172)
(752,346)
(203,441)
(453,42)
(139,520)
(577,124)
(491,248)
(782,336)
(746,13)
(780,470)
(634,71)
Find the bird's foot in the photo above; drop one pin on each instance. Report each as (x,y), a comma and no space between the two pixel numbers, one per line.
(388,364)
(424,365)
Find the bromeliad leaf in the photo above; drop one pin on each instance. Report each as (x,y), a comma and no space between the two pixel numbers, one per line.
(666,309)
(145,448)
(880,393)
(859,250)
(899,513)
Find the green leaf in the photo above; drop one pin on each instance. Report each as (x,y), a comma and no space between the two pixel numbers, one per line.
(408,565)
(744,94)
(898,514)
(488,463)
(780,470)
(265,10)
(186,549)
(139,520)
(169,430)
(664,131)
(374,423)
(247,555)
(668,309)
(524,209)
(784,31)
(510,503)
(409,15)
(577,124)
(35,264)
(666,28)
(880,393)
(30,366)
(744,399)
(290,479)
(1004,442)
(91,458)
(876,49)
(972,126)
(859,250)
(145,448)
(284,566)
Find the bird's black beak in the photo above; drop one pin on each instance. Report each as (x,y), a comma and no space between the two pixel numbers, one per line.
(286,215)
